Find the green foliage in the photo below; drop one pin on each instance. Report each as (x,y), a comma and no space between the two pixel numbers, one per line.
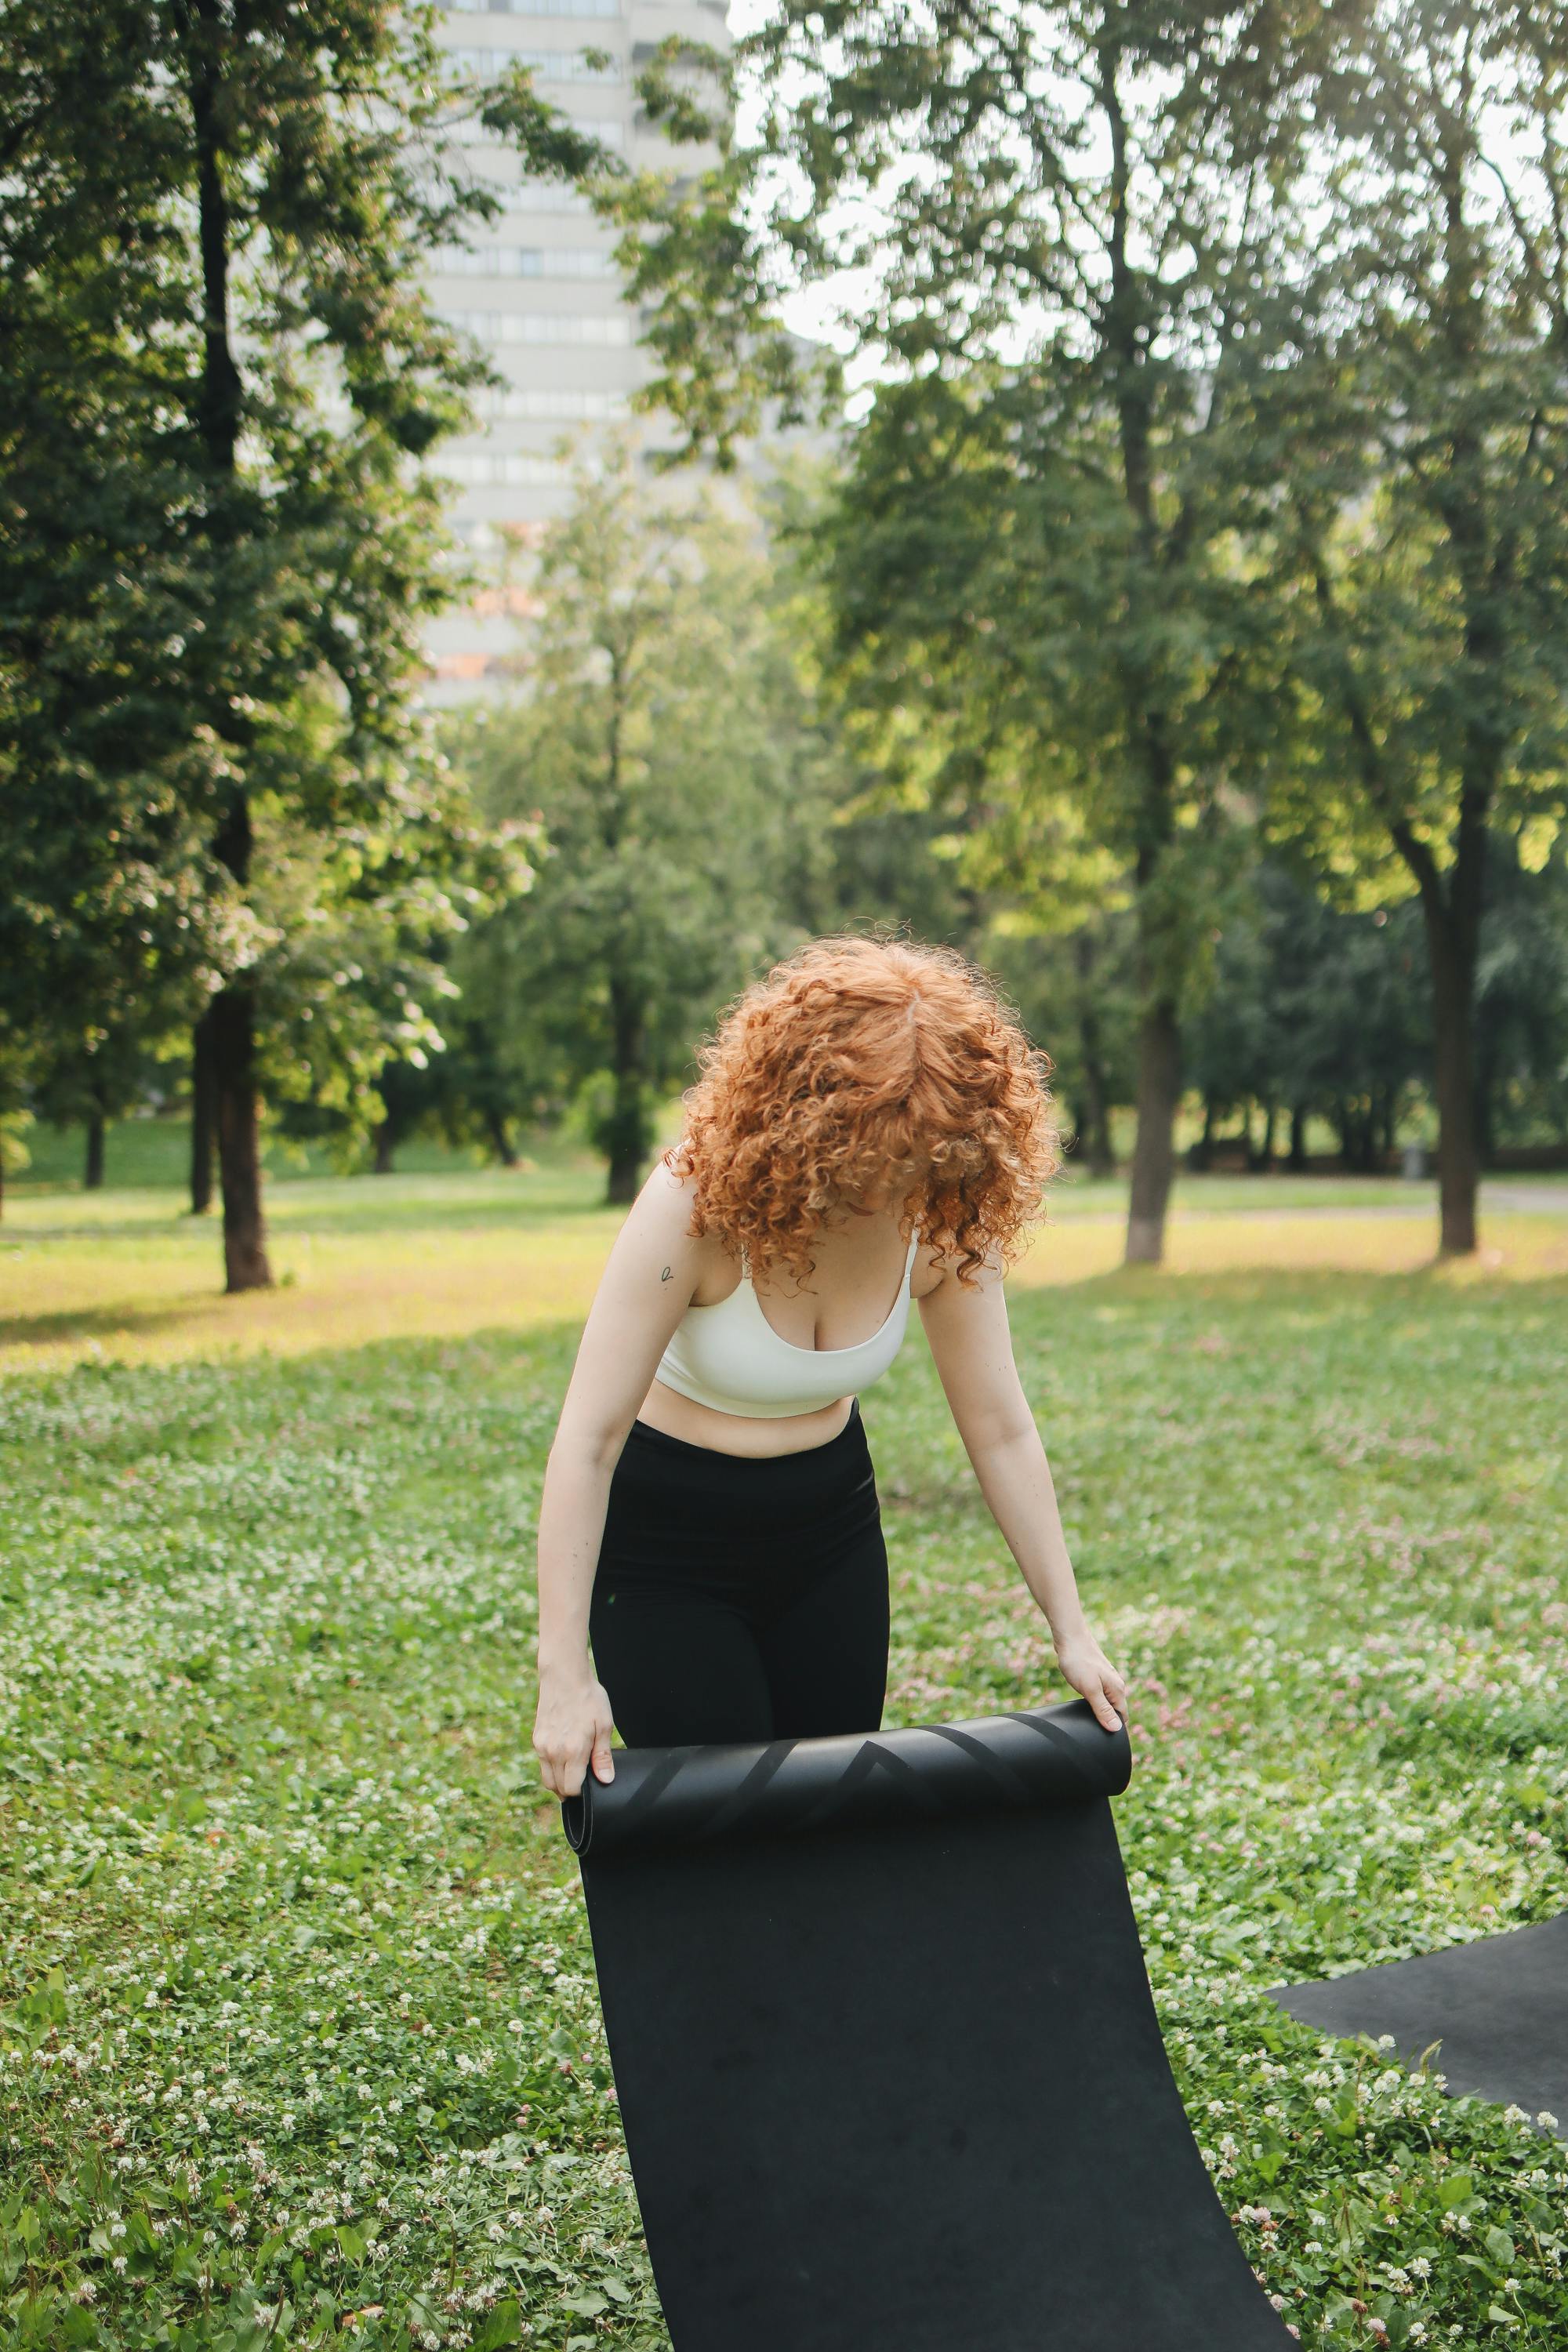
(219,381)
(662,737)
(1314,1009)
(297,1992)
(1078,996)
(1418,548)
(1422,540)
(1216,442)
(1046,230)
(1522,1000)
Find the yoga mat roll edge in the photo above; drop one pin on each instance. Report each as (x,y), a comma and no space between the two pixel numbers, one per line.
(885,2051)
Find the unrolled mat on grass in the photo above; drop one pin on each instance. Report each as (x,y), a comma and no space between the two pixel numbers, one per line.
(886,2053)
(1497,2009)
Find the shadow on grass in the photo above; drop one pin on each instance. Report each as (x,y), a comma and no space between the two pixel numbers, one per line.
(312,1205)
(1342,1289)
(86,1323)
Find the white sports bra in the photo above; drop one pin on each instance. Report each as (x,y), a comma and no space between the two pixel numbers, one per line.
(729,1357)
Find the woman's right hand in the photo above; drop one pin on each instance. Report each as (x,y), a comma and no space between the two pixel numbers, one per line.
(572,1730)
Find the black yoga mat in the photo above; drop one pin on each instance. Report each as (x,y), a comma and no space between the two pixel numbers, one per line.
(886,2053)
(1498,2007)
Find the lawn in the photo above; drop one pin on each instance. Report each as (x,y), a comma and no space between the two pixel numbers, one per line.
(297,2032)
(447,1249)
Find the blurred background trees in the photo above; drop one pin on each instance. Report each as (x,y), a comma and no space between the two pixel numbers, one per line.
(219,379)
(1176,626)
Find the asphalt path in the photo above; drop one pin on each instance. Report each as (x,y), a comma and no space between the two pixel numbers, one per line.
(1418,1199)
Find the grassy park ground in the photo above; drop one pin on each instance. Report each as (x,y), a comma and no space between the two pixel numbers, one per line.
(298,2033)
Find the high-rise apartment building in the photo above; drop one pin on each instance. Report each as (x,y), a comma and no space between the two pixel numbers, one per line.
(538,288)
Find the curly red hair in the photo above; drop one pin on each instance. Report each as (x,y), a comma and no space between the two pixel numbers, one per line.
(854,1062)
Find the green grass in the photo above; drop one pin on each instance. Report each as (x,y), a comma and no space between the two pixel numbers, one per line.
(125,1275)
(151,1155)
(297,2032)
(156,1152)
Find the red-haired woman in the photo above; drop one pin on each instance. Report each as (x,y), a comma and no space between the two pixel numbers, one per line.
(870,1123)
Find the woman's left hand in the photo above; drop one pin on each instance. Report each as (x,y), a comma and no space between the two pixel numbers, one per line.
(1085,1667)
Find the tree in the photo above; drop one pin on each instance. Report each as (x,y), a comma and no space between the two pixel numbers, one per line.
(1521,1003)
(1052,219)
(219,381)
(16,1116)
(644,737)
(1423,542)
(1077,991)
(1312,1008)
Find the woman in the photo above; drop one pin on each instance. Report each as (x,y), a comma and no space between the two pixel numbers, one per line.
(870,1115)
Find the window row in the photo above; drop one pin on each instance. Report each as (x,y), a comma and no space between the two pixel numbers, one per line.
(498,466)
(472,137)
(563,403)
(612,327)
(534,7)
(521,261)
(548,65)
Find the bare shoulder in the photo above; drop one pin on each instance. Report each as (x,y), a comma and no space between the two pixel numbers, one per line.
(658,1222)
(936,1275)
(664,1204)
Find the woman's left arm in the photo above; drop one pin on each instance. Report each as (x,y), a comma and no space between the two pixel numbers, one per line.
(973,1347)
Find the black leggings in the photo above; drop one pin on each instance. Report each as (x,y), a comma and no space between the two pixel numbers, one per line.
(741,1598)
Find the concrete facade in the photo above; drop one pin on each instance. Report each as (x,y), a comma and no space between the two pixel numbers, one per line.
(538,289)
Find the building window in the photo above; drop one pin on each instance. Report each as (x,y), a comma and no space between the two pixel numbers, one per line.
(546,65)
(559,403)
(536,8)
(613,327)
(521,261)
(539,196)
(501,467)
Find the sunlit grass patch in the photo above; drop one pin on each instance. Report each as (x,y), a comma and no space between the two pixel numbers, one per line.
(127,1276)
(299,2033)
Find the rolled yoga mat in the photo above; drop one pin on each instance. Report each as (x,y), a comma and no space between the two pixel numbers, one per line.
(886,2053)
(1498,2008)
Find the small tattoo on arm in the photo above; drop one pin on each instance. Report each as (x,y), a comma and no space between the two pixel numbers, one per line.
(665,1275)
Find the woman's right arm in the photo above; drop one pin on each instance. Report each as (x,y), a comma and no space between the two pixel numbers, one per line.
(647,1285)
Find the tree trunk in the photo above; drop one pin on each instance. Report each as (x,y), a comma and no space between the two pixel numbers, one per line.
(233,1044)
(1269,1151)
(92,1171)
(627,1142)
(218,414)
(1296,1150)
(385,1146)
(501,1139)
(1094,1137)
(1203,1149)
(1485,1096)
(626,1173)
(1153,1154)
(1125,318)
(1458,1151)
(203,1117)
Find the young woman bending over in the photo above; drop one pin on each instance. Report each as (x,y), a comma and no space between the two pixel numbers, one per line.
(870,1124)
